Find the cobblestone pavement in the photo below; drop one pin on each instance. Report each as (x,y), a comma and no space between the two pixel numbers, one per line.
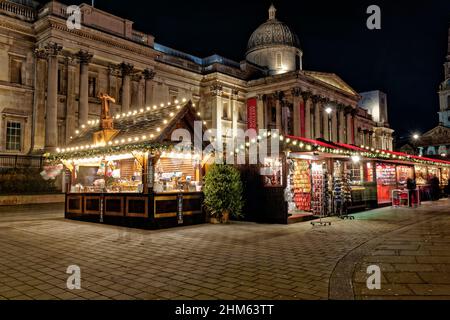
(236,261)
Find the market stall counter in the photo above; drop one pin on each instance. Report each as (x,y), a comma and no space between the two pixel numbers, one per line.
(125,170)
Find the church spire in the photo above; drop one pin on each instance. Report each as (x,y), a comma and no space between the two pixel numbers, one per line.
(272,12)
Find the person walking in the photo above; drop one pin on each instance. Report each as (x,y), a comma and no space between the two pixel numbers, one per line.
(411,186)
(435,188)
(447,189)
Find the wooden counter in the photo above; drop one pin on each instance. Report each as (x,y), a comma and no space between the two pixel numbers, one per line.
(154,210)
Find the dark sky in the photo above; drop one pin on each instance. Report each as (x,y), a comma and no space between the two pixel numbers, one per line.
(404,59)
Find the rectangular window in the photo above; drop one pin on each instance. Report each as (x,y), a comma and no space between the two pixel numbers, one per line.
(242,116)
(225,114)
(279,60)
(16,70)
(92,87)
(13,136)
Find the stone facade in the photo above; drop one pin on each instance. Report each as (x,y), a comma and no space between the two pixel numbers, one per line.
(51,75)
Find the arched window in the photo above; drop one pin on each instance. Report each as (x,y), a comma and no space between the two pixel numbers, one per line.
(279,60)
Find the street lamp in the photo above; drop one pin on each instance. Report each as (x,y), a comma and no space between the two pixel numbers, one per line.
(416,138)
(329,111)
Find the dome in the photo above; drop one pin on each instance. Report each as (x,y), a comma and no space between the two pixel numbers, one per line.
(272,32)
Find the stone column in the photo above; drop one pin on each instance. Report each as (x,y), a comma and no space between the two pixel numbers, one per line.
(326,118)
(71,121)
(38,136)
(334,126)
(349,121)
(217,113)
(127,70)
(141,93)
(235,111)
(149,75)
(83,112)
(51,117)
(342,124)
(317,120)
(260,105)
(297,112)
(308,103)
(278,111)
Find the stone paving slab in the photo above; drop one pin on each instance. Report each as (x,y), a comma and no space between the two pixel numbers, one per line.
(418,257)
(237,261)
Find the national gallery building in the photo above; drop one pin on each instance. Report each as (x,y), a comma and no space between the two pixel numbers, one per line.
(51,77)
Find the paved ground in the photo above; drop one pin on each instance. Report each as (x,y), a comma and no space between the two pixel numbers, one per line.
(237,261)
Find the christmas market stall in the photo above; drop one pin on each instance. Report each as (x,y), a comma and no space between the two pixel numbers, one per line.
(126,170)
(316,178)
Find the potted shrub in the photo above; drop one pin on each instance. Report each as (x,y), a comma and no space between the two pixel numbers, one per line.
(223,193)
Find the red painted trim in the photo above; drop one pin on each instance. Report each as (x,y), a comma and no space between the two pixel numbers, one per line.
(252,114)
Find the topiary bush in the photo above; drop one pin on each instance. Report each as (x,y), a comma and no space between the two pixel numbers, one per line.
(223,191)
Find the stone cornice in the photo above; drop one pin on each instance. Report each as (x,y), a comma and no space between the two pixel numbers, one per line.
(92,34)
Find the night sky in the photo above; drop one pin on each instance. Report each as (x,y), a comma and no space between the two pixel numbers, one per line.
(404,59)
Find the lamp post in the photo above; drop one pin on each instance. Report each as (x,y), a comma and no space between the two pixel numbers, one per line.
(329,111)
(415,139)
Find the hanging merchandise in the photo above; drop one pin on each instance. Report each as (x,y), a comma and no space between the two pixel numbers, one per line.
(346,190)
(302,185)
(338,199)
(320,193)
(320,185)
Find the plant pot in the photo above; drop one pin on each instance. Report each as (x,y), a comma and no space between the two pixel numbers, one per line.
(225,217)
(214,220)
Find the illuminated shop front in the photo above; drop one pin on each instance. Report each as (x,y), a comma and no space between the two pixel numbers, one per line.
(136,175)
(312,179)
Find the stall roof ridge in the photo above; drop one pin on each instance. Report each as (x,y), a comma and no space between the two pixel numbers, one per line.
(349,147)
(145,125)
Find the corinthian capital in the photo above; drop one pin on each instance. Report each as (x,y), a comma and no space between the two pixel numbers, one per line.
(127,68)
(216,89)
(306,95)
(296,92)
(84,57)
(40,53)
(53,49)
(149,74)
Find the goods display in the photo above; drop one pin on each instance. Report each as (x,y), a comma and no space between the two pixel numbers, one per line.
(301,178)
(320,194)
(403,173)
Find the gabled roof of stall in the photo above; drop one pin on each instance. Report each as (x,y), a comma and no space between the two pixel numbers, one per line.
(149,125)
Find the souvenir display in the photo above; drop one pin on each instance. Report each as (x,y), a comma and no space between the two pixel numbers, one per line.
(320,195)
(299,185)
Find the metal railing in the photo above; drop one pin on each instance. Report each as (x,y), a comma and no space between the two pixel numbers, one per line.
(16,161)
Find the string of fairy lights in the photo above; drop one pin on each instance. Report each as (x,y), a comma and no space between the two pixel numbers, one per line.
(143,142)
(130,140)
